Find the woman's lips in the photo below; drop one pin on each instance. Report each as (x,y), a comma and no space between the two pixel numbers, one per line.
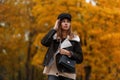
(65,26)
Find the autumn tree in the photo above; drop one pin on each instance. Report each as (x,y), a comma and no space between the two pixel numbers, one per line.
(95,24)
(18,32)
(95,21)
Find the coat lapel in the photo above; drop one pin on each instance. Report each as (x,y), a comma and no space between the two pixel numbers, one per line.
(66,43)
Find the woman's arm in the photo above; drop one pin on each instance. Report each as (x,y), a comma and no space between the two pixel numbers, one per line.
(77,53)
(47,39)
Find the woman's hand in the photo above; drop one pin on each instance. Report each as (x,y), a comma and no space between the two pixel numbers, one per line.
(65,52)
(56,24)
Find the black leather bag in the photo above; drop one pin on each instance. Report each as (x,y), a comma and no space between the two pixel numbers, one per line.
(66,64)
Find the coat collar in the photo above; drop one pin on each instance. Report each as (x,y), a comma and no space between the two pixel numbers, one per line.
(76,37)
(66,42)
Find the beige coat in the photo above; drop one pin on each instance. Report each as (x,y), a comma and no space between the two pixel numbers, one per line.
(52,70)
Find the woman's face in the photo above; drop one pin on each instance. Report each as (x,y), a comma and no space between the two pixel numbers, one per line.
(65,24)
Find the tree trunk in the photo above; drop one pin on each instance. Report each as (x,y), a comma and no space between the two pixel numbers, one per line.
(87,72)
(19,75)
(32,74)
(28,66)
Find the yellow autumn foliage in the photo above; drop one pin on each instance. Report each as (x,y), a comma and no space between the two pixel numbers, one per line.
(98,27)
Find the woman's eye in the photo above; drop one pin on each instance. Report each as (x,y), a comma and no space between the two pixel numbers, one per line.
(67,21)
(63,21)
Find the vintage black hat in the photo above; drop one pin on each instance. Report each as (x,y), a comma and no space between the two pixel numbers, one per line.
(64,15)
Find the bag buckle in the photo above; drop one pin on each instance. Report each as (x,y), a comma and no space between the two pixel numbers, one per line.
(68,62)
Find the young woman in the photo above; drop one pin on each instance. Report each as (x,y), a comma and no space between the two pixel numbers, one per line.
(61,41)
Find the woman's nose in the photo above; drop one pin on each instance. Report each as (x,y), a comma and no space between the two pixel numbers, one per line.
(66,23)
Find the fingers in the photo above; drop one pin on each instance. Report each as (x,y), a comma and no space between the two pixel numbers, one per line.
(56,24)
(63,51)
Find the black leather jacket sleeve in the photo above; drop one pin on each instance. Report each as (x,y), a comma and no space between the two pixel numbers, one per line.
(47,39)
(77,53)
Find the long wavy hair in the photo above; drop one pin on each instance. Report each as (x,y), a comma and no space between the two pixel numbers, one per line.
(59,32)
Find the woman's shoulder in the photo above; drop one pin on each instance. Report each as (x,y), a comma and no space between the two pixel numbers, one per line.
(76,38)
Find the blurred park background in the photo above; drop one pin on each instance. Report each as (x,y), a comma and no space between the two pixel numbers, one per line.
(24,22)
